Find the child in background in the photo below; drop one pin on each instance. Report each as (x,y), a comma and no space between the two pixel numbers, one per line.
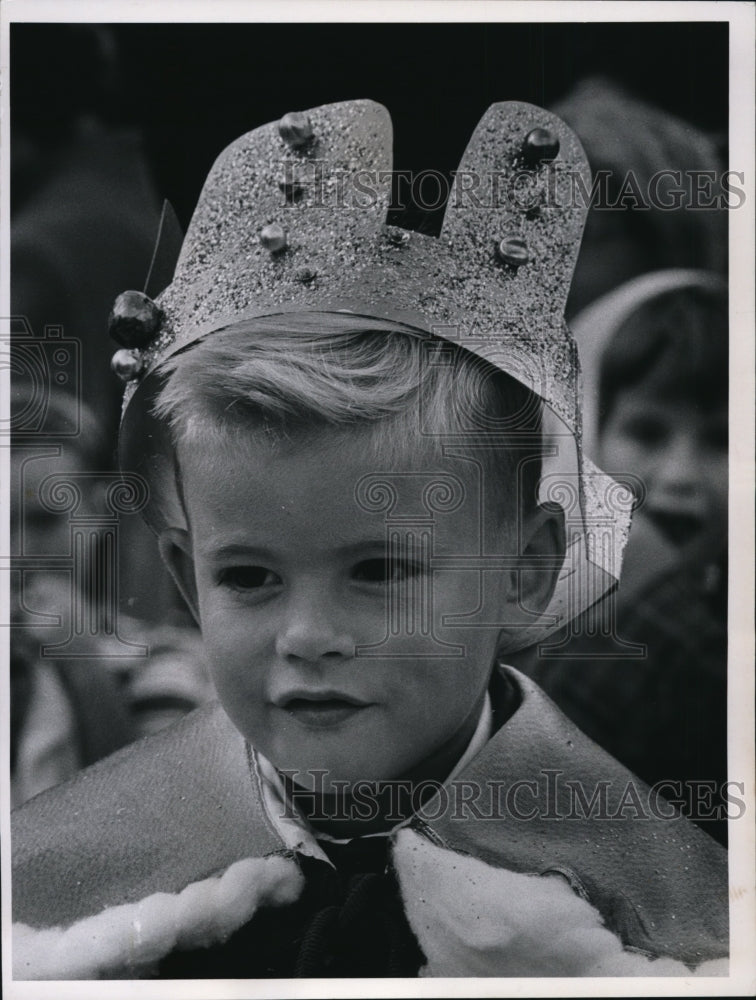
(343,428)
(663,406)
(65,714)
(655,362)
(69,711)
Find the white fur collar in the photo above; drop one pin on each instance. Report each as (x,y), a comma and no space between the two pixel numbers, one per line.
(472,919)
(124,941)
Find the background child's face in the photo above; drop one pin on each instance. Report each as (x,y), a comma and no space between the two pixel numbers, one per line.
(291,576)
(679,451)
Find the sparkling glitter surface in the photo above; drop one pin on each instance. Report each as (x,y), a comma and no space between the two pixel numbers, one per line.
(335,232)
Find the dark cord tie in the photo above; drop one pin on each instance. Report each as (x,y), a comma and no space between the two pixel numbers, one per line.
(349,921)
(364,933)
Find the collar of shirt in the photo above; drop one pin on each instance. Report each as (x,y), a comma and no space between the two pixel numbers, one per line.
(294,829)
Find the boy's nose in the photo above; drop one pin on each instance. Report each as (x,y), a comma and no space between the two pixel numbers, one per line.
(313,632)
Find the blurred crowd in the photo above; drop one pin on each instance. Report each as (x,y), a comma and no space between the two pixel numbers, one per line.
(102,651)
(644,675)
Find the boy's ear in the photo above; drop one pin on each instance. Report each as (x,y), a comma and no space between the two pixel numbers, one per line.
(543,543)
(176,551)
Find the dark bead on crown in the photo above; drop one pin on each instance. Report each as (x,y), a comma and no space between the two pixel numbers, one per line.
(127,365)
(540,146)
(396,236)
(512,251)
(273,238)
(292,190)
(134,320)
(295,128)
(305,275)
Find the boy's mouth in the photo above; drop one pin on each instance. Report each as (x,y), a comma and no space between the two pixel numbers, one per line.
(321,708)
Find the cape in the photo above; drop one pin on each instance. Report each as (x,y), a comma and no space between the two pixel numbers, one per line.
(543,857)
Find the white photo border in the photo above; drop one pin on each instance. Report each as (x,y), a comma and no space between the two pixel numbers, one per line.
(741,18)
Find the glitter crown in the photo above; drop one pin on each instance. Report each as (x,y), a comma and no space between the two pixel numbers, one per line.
(290,226)
(292,218)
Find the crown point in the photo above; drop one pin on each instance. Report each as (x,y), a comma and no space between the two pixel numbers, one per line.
(134,319)
(541,145)
(127,365)
(295,128)
(513,251)
(273,238)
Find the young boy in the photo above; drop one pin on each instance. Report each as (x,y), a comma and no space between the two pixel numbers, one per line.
(347,430)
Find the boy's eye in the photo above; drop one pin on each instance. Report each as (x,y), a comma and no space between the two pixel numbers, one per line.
(248,577)
(385,570)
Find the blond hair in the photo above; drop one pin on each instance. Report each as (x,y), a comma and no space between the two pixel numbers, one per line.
(296,375)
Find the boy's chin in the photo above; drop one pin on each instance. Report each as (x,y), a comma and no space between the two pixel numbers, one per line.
(334,775)
(335,767)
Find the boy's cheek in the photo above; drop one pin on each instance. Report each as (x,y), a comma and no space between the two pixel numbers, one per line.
(224,618)
(236,654)
(473,593)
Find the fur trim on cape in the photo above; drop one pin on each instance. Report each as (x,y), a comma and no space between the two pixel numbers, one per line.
(472,919)
(124,941)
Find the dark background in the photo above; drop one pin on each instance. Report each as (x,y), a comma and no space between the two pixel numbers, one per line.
(191,89)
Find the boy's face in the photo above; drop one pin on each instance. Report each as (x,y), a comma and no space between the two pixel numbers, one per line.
(679,451)
(291,575)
